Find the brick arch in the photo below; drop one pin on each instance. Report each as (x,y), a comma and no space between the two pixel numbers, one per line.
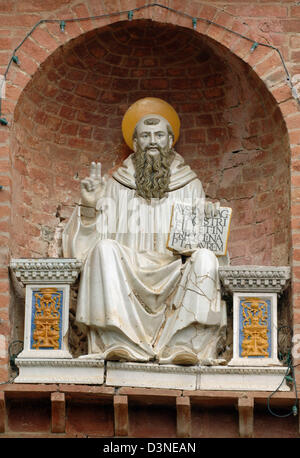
(47,37)
(232,133)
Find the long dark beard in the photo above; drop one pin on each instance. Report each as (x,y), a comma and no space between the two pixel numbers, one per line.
(152,173)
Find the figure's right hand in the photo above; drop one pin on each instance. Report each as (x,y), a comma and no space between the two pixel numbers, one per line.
(91,186)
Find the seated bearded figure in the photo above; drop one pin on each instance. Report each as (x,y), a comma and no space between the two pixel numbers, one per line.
(139,300)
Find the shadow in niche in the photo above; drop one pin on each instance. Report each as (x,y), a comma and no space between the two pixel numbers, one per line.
(78,343)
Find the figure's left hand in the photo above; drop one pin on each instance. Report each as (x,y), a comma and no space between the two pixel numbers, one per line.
(211,208)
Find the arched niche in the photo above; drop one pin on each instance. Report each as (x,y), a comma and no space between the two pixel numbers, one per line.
(232,133)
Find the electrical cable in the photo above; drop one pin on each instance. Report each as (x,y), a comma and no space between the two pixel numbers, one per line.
(130,14)
(290,369)
(12,358)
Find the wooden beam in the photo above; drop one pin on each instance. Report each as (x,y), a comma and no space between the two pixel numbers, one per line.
(246,407)
(298,417)
(121,415)
(58,412)
(184,421)
(2,412)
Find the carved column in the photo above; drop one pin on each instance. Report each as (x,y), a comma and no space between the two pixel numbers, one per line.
(255,290)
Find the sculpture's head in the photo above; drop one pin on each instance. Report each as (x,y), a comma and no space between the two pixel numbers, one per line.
(153,135)
(149,107)
(151,127)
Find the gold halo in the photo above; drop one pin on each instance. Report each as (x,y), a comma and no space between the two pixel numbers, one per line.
(148,106)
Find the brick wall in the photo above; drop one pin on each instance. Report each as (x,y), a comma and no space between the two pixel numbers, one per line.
(65,101)
(232,133)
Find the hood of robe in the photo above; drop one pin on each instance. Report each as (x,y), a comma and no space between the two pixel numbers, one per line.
(181,173)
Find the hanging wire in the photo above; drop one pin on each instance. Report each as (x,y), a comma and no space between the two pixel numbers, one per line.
(290,376)
(12,358)
(63,23)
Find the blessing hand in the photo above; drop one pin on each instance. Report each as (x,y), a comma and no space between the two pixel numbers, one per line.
(92,186)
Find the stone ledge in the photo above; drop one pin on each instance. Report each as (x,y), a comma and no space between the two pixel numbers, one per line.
(254,278)
(150,375)
(75,371)
(47,270)
(196,377)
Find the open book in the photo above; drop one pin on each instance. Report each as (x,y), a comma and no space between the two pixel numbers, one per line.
(191,229)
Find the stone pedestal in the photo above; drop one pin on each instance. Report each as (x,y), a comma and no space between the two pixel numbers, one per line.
(60,370)
(45,357)
(255,291)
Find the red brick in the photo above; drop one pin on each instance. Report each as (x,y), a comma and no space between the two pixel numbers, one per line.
(34,50)
(92,118)
(270,63)
(281,93)
(6,7)
(295,56)
(288,107)
(13,92)
(21,79)
(195,136)
(90,418)
(215,32)
(155,83)
(43,37)
(5,211)
(257,10)
(81,11)
(67,112)
(26,415)
(295,11)
(295,137)
(54,30)
(241,48)
(85,90)
(217,133)
(53,122)
(67,84)
(295,42)
(85,131)
(4,373)
(28,64)
(26,6)
(290,25)
(214,92)
(111,97)
(21,20)
(4,304)
(69,128)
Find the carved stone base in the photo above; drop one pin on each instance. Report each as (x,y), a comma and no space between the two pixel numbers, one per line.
(196,377)
(46,370)
(242,378)
(150,375)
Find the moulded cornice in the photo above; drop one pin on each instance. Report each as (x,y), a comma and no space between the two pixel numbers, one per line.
(46,270)
(255,278)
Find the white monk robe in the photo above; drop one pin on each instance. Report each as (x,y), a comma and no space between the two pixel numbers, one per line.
(140,301)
